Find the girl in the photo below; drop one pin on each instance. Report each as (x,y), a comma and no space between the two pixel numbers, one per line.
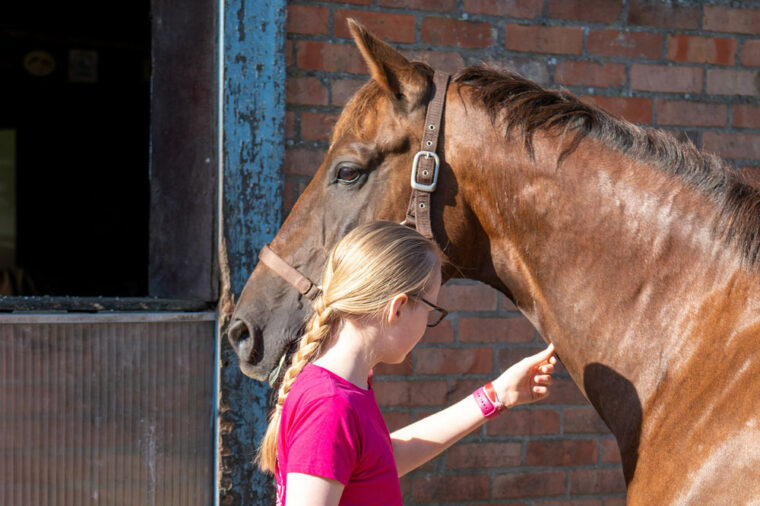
(327,442)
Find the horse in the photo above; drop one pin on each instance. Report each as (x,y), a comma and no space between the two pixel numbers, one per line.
(632,251)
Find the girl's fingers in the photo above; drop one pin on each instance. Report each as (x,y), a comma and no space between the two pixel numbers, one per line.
(539,390)
(546,369)
(542,379)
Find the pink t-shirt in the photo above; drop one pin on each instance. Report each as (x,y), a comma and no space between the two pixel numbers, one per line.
(333,429)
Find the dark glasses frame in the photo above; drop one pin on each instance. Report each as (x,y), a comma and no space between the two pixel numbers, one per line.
(438,310)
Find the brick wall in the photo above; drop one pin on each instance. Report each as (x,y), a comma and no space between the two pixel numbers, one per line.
(690,67)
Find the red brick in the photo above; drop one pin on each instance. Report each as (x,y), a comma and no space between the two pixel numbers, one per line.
(538,484)
(474,297)
(720,51)
(344,89)
(307,19)
(410,393)
(686,113)
(633,109)
(751,52)
(441,333)
(562,453)
(404,368)
(610,452)
(462,387)
(453,32)
(525,422)
(666,79)
(625,44)
(598,11)
(584,421)
(317,126)
(522,9)
(572,502)
(751,176)
(597,481)
(602,75)
(746,116)
(733,82)
(288,52)
(532,68)
(290,125)
(396,420)
(482,455)
(331,57)
(355,2)
(303,161)
(725,19)
(288,196)
(305,91)
(440,60)
(451,488)
(545,39)
(507,304)
(387,26)
(509,356)
(670,15)
(564,391)
(453,360)
(732,145)
(492,330)
(615,501)
(423,5)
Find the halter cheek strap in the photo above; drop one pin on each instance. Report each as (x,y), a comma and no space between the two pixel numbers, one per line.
(426,164)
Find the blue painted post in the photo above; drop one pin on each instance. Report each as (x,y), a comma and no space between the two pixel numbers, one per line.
(253,57)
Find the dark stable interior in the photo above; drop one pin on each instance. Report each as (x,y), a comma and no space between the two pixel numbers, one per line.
(76,91)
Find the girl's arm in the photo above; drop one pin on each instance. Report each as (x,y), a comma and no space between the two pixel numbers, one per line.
(307,489)
(526,381)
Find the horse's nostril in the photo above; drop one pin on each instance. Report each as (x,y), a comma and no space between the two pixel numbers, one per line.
(245,342)
(238,331)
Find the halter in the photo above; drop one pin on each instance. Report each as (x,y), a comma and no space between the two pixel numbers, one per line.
(424,180)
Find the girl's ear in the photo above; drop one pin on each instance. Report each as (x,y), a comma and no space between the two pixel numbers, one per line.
(395,306)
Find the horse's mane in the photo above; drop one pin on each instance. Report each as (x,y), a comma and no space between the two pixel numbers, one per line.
(526,107)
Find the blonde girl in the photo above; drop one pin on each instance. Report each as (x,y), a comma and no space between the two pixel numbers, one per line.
(327,442)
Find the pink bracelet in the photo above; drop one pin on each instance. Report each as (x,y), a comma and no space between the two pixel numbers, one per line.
(488,409)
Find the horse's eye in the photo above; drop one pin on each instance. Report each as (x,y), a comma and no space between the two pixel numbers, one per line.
(348,174)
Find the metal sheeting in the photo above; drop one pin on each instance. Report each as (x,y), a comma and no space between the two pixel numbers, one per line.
(106,412)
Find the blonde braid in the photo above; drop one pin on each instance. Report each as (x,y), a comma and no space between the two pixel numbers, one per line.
(308,350)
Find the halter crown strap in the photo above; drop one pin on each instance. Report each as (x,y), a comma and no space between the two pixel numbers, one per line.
(426,161)
(304,285)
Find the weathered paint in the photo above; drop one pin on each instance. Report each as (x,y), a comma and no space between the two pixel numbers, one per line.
(253,46)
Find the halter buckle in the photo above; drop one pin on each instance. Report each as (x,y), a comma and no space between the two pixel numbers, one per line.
(429,188)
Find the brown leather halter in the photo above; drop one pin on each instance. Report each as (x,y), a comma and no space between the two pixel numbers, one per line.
(424,180)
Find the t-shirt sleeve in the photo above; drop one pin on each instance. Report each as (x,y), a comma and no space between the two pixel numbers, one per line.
(324,440)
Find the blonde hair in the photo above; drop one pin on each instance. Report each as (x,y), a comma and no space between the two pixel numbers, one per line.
(365,270)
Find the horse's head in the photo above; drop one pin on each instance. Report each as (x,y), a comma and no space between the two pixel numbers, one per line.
(364,176)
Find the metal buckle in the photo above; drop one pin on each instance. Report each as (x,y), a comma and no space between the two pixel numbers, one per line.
(425,187)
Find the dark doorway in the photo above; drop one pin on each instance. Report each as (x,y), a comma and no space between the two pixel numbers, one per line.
(75,113)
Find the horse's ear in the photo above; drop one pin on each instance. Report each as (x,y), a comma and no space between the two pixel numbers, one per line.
(394,73)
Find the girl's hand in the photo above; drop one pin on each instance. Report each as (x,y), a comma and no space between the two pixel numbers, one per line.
(528,380)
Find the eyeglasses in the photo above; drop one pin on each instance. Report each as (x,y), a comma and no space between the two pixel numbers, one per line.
(436,315)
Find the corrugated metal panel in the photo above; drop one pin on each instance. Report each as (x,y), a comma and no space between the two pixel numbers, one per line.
(106,412)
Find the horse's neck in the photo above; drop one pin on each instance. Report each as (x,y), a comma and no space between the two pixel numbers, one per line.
(606,256)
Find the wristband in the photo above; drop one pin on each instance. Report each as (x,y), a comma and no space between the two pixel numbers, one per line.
(491,393)
(484,403)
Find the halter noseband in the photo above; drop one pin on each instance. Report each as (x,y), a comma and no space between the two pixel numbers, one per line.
(424,180)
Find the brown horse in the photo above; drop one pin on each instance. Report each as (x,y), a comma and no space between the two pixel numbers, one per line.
(634,253)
